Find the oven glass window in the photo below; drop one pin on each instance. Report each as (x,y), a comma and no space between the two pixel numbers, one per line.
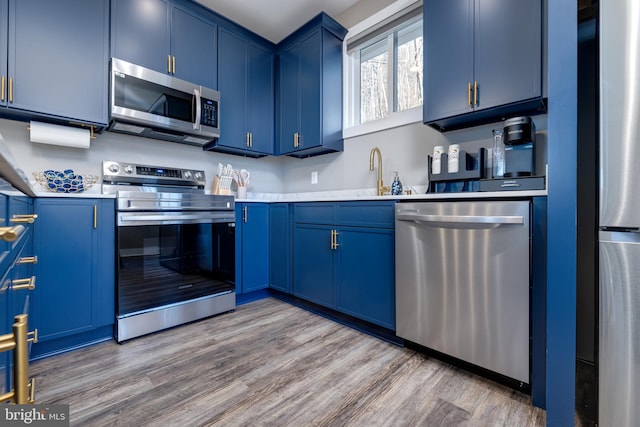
(161,265)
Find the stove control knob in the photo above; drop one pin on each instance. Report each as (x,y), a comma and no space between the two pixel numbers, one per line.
(128,169)
(187,175)
(114,168)
(198,176)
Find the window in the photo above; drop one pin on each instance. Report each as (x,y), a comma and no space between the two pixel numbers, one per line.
(384,68)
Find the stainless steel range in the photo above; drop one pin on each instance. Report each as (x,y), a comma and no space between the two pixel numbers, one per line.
(175,248)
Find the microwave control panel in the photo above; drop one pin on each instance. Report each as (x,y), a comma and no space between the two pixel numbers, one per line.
(209,113)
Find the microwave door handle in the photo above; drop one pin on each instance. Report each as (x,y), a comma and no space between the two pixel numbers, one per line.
(196,97)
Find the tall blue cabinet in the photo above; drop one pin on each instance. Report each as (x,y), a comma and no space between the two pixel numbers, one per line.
(252,247)
(310,89)
(246,76)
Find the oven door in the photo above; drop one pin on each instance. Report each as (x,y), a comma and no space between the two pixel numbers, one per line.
(167,263)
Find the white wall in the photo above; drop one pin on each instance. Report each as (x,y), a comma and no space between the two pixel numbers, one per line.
(31,157)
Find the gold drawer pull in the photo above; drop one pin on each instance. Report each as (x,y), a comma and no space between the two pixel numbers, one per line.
(10,234)
(32,390)
(28,260)
(24,218)
(20,284)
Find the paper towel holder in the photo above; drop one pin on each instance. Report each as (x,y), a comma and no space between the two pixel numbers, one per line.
(92,134)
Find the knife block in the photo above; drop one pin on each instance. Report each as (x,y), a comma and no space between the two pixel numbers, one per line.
(221,186)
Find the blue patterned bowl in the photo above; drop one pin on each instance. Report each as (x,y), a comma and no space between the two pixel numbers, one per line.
(66,181)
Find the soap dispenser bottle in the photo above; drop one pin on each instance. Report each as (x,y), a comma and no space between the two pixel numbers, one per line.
(396,186)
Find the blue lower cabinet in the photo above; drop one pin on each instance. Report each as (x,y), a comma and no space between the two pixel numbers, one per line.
(75,294)
(366,275)
(252,247)
(313,264)
(280,247)
(343,258)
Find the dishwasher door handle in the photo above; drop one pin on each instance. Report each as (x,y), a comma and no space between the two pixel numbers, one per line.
(462,221)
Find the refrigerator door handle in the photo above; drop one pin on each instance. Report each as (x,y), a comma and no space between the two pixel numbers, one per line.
(461,221)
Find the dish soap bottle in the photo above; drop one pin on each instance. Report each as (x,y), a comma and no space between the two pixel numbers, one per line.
(396,186)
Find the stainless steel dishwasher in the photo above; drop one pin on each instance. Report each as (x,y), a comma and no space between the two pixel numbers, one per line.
(462,281)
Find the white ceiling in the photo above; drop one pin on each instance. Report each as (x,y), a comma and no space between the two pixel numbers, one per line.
(275,19)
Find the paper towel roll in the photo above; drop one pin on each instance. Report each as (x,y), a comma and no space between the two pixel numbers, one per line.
(46,133)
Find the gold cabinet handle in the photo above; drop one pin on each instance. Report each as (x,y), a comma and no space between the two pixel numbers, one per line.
(475,93)
(246,140)
(334,239)
(173,65)
(10,89)
(10,234)
(296,140)
(169,64)
(469,94)
(245,215)
(19,284)
(29,219)
(2,90)
(28,260)
(251,139)
(95,216)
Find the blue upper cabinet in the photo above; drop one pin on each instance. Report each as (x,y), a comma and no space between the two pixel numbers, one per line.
(54,59)
(310,89)
(165,36)
(482,61)
(246,81)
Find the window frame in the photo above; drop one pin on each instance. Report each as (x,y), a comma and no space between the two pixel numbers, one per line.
(351,75)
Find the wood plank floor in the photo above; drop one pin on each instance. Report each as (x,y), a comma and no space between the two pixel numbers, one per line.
(271,364)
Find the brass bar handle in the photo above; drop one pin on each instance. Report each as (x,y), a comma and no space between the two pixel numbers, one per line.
(7,343)
(29,219)
(33,336)
(296,140)
(32,390)
(21,360)
(173,65)
(28,260)
(246,140)
(332,241)
(95,216)
(169,64)
(335,239)
(2,91)
(245,214)
(6,397)
(475,93)
(10,234)
(469,94)
(10,89)
(251,139)
(19,284)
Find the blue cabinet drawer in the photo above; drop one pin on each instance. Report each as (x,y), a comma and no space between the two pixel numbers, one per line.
(315,213)
(367,214)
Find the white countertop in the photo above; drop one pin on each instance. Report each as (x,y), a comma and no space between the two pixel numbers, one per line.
(370,195)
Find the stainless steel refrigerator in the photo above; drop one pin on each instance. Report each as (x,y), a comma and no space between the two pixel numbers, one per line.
(619,312)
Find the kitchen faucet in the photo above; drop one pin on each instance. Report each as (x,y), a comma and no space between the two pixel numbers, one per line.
(381,188)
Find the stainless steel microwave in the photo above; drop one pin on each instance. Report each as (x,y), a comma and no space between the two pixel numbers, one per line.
(147,103)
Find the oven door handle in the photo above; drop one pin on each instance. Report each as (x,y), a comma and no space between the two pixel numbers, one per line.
(174,218)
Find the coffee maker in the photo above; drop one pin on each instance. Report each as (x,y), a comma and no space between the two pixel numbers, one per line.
(519,146)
